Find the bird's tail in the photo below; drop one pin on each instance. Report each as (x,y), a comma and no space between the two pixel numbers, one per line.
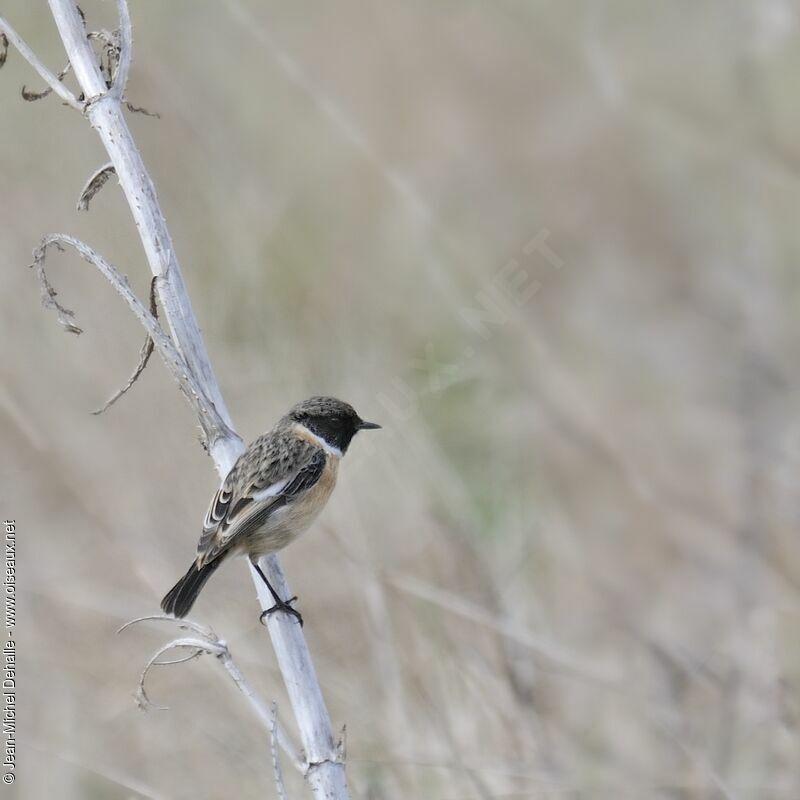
(180,598)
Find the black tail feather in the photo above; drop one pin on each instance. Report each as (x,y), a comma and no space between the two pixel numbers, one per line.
(180,598)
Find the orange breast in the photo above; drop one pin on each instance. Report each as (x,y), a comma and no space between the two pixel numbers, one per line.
(287,523)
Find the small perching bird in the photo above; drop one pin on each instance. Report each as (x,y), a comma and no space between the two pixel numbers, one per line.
(272,494)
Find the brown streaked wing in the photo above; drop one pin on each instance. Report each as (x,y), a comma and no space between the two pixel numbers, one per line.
(274,457)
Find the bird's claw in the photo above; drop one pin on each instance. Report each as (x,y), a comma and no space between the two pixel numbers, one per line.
(286,606)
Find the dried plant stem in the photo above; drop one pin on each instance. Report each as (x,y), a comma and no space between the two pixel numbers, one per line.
(48,77)
(205,641)
(94,185)
(103,107)
(144,357)
(273,746)
(193,390)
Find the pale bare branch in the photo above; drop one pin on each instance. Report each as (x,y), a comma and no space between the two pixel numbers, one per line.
(144,357)
(125,50)
(273,746)
(183,624)
(206,641)
(65,315)
(213,425)
(44,73)
(186,356)
(261,710)
(197,646)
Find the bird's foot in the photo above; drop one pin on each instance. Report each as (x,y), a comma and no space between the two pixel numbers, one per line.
(285,606)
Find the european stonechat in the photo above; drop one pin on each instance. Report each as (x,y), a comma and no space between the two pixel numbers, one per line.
(272,494)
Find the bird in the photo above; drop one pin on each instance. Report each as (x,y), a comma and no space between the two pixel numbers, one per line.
(272,494)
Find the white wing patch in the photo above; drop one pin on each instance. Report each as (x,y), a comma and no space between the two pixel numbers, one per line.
(270,491)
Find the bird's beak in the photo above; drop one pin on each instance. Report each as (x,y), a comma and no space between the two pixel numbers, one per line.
(368,426)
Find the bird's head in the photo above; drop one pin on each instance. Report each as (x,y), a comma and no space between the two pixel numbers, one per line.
(332,420)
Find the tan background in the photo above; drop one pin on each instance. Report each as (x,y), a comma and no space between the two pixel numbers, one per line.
(569,565)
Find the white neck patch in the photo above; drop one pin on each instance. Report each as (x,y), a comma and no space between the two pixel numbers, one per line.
(326,446)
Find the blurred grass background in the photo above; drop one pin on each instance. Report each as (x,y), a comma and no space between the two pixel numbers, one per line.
(569,565)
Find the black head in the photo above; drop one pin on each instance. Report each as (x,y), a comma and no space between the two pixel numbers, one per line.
(332,420)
